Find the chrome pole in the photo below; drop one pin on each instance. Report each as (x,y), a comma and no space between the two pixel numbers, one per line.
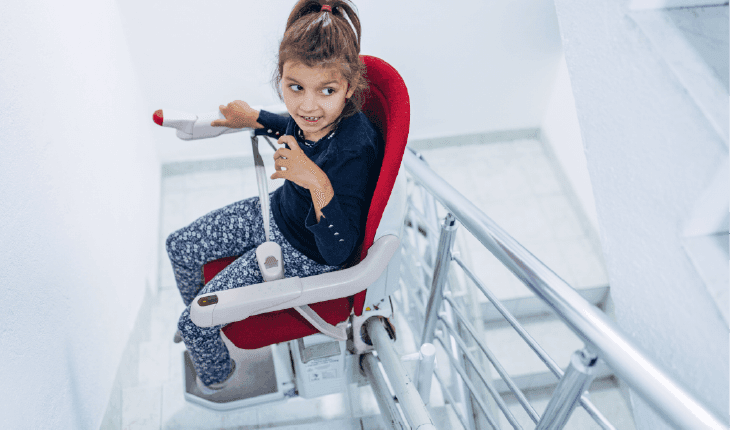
(262,183)
(410,401)
(441,269)
(577,378)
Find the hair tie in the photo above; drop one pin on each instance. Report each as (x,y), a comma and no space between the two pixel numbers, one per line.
(326,7)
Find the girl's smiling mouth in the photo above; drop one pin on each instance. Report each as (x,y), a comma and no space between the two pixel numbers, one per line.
(311,119)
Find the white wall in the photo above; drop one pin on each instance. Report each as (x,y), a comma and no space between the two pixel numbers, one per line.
(79,193)
(561,130)
(470,67)
(650,153)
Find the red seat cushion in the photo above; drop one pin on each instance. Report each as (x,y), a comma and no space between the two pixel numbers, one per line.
(388,107)
(279,326)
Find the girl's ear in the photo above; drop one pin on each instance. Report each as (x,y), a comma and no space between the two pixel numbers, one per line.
(350,91)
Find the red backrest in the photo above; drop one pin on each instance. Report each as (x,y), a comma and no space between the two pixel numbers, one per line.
(388,108)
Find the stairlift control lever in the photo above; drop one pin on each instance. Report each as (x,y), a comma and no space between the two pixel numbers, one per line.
(197,126)
(191,126)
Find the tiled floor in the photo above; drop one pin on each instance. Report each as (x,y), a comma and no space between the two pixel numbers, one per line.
(514,183)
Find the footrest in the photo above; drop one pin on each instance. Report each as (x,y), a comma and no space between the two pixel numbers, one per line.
(264,377)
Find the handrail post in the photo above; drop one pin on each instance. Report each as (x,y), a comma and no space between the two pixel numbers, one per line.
(577,378)
(441,269)
(424,371)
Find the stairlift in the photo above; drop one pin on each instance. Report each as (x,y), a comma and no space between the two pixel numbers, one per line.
(304,336)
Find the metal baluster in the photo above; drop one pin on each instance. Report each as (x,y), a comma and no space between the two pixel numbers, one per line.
(577,378)
(440,272)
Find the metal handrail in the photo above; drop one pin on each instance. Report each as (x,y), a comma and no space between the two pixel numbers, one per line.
(534,416)
(470,385)
(601,334)
(485,380)
(589,407)
(450,399)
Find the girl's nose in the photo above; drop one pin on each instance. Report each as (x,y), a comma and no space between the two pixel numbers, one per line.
(308,104)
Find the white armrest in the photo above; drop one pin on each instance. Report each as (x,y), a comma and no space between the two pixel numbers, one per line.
(240,303)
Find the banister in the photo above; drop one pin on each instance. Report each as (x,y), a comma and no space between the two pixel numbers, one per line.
(602,335)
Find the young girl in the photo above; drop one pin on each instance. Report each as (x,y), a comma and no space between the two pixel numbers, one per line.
(329,161)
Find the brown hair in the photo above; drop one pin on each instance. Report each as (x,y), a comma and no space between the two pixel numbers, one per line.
(316,37)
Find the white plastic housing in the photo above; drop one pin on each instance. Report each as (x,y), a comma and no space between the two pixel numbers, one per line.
(325,374)
(268,255)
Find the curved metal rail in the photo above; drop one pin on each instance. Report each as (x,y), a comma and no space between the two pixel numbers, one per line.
(601,335)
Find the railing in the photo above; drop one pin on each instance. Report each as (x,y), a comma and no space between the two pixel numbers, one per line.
(603,339)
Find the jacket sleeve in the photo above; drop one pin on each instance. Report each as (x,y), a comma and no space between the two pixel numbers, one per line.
(274,125)
(338,231)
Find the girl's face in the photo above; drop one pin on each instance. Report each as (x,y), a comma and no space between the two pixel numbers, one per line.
(314,97)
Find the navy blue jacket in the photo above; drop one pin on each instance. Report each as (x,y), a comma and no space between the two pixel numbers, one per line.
(350,156)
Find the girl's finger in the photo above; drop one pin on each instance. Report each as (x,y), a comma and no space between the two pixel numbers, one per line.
(293,145)
(281,153)
(288,140)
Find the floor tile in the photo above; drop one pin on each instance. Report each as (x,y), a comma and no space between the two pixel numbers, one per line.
(154,362)
(141,408)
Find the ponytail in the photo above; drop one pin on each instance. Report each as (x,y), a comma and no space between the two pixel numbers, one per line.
(317,37)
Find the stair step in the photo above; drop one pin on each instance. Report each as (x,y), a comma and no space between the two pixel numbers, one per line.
(523,364)
(606,397)
(532,306)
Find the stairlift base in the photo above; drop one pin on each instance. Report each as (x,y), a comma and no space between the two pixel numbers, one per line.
(310,367)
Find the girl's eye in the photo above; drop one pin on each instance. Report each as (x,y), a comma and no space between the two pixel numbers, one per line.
(328,91)
(295,87)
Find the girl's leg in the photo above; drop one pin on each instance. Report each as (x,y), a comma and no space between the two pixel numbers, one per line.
(225,232)
(207,350)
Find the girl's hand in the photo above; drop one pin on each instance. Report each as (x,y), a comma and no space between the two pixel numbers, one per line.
(303,172)
(238,115)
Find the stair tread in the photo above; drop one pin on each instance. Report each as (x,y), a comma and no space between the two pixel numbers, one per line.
(519,360)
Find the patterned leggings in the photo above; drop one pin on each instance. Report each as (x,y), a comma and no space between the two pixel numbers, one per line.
(236,229)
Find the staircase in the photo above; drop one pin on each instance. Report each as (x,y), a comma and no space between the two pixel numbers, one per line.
(518,185)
